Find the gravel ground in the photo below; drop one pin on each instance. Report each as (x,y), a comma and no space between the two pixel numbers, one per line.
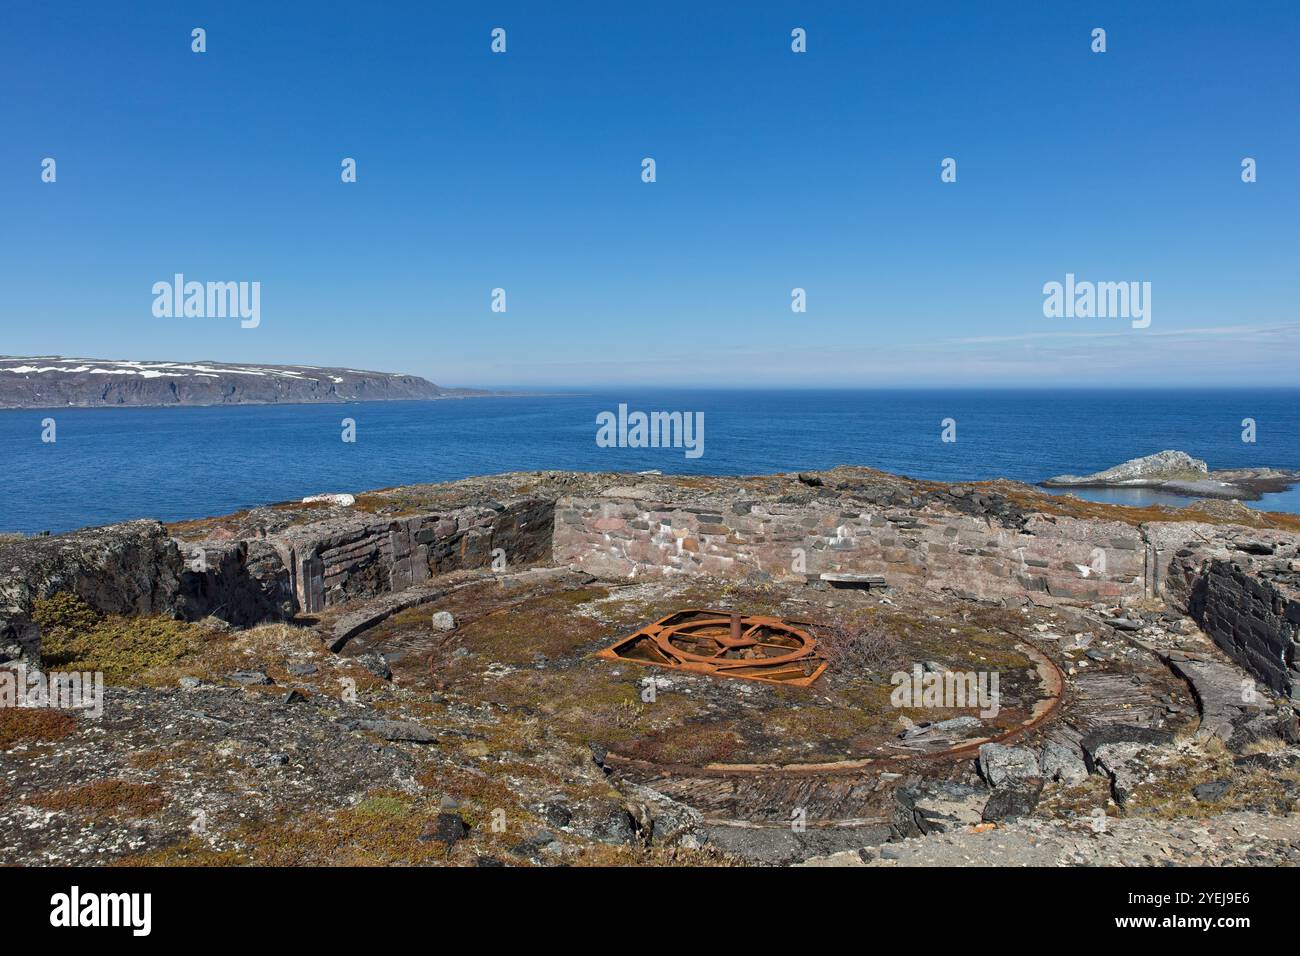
(1236,839)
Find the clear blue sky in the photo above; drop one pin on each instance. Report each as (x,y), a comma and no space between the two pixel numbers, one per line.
(775,170)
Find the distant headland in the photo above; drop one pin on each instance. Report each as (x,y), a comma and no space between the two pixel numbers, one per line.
(51,381)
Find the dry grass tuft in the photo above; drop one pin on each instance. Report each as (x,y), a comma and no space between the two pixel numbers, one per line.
(28,725)
(104,798)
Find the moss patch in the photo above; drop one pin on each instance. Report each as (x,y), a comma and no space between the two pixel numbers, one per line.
(549,626)
(191,851)
(76,637)
(391,808)
(694,745)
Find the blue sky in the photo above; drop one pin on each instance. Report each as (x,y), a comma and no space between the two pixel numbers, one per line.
(775,170)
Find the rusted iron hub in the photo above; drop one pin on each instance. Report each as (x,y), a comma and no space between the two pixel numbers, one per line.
(725,644)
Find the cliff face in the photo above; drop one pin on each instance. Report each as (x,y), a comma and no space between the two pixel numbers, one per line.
(55,382)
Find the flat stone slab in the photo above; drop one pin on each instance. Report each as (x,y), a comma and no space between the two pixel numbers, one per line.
(1112,734)
(1224,692)
(858,580)
(399,730)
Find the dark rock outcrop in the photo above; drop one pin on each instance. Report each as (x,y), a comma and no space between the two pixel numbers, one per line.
(1254,619)
(20,638)
(1113,734)
(240,582)
(129,568)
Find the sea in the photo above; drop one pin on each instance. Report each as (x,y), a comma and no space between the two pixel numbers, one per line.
(113,464)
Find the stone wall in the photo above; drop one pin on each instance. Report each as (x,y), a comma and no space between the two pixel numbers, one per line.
(1245,594)
(242,582)
(338,560)
(1051,558)
(130,568)
(1252,619)
(135,568)
(1241,585)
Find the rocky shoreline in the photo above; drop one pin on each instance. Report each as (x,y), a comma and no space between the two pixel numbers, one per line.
(1178,473)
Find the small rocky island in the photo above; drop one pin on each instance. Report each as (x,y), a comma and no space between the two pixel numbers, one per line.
(57,382)
(1179,473)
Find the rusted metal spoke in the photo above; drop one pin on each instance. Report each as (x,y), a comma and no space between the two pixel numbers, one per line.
(700,641)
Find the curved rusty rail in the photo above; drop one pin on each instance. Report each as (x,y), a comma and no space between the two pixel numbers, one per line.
(756,647)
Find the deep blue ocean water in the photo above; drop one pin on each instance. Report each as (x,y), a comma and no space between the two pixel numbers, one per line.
(112,464)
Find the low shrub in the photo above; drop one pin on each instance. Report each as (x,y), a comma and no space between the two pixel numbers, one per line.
(76,637)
